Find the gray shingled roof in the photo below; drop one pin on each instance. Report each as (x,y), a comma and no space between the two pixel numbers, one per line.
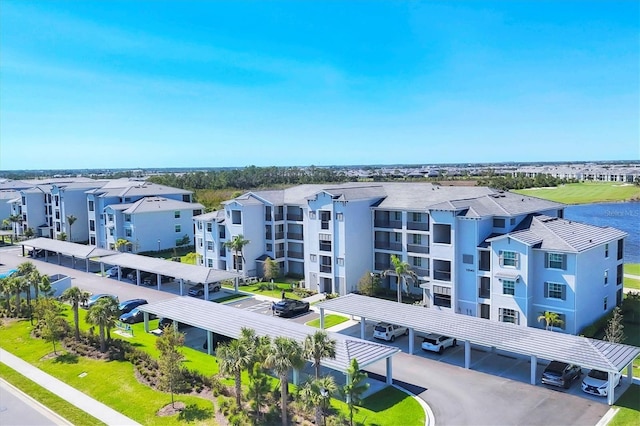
(67,248)
(229,321)
(217,215)
(552,233)
(549,345)
(156,204)
(192,273)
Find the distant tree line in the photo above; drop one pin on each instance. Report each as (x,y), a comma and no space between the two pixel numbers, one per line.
(249,177)
(520,181)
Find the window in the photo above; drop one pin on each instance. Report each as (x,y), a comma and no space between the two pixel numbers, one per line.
(606,277)
(512,221)
(498,223)
(604,303)
(127,218)
(178,228)
(417,261)
(509,287)
(340,216)
(509,315)
(416,217)
(92,225)
(312,215)
(210,245)
(442,233)
(467,258)
(92,240)
(509,258)
(176,214)
(199,242)
(109,217)
(236,217)
(555,291)
(127,232)
(619,274)
(606,250)
(91,206)
(340,261)
(442,296)
(417,239)
(111,232)
(620,249)
(209,227)
(269,247)
(210,263)
(313,258)
(199,225)
(556,261)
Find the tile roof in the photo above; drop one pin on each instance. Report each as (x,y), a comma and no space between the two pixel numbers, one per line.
(156,204)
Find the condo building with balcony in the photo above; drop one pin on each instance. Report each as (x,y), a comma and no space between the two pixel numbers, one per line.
(476,251)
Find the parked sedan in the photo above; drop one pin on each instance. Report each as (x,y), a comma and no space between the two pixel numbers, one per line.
(437,343)
(597,382)
(561,374)
(134,316)
(290,307)
(129,305)
(198,289)
(95,297)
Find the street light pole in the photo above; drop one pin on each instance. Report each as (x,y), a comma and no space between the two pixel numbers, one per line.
(325,394)
(158,245)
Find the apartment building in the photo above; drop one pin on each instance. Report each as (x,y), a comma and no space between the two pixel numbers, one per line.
(456,240)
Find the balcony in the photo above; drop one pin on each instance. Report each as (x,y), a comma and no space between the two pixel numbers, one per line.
(279,235)
(278,216)
(268,235)
(418,226)
(295,254)
(267,218)
(296,217)
(325,246)
(382,266)
(442,275)
(222,253)
(421,272)
(382,223)
(294,236)
(325,268)
(417,248)
(484,266)
(324,224)
(279,253)
(386,245)
(484,292)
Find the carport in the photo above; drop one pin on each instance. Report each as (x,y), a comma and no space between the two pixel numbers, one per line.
(532,342)
(183,272)
(228,321)
(66,248)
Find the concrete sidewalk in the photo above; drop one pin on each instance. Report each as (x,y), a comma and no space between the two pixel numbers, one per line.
(64,391)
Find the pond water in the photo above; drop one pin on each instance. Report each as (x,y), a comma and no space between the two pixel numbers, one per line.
(623,216)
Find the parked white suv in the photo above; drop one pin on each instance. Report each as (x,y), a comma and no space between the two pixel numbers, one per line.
(597,382)
(389,332)
(437,342)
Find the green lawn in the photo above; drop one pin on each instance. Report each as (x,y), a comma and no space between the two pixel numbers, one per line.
(632,268)
(629,405)
(276,292)
(585,192)
(631,283)
(329,321)
(113,383)
(56,404)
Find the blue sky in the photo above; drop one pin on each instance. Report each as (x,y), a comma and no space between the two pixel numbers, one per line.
(210,84)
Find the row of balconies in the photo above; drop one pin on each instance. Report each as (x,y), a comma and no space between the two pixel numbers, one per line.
(392,246)
(397,224)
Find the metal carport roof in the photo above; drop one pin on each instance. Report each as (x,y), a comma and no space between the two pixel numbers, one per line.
(229,321)
(588,353)
(81,251)
(184,271)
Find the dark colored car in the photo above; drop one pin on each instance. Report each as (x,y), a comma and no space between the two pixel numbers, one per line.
(217,339)
(129,305)
(290,307)
(561,374)
(153,279)
(134,316)
(95,297)
(198,289)
(168,322)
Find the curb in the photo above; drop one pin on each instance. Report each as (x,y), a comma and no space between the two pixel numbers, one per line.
(37,404)
(430,419)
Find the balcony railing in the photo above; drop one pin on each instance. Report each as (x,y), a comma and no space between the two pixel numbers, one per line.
(386,245)
(295,254)
(294,217)
(421,272)
(325,268)
(417,248)
(324,224)
(268,235)
(484,266)
(267,218)
(278,216)
(382,266)
(382,223)
(222,253)
(294,235)
(279,235)
(325,246)
(280,253)
(484,292)
(418,226)
(442,275)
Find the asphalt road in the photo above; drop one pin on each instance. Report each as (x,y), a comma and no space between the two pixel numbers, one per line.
(17,409)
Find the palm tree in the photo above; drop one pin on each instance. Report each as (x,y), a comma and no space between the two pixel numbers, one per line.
(317,346)
(550,319)
(120,243)
(103,314)
(32,276)
(354,389)
(18,285)
(234,357)
(236,244)
(76,297)
(402,270)
(285,354)
(71,219)
(316,393)
(15,219)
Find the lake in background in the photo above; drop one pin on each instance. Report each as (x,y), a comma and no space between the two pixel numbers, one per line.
(624,216)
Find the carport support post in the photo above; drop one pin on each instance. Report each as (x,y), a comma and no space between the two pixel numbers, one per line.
(209,342)
(467,354)
(102,269)
(630,373)
(206,291)
(159,280)
(236,283)
(181,287)
(534,367)
(145,316)
(610,388)
(86,264)
(363,327)
(389,378)
(411,337)
(321,318)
